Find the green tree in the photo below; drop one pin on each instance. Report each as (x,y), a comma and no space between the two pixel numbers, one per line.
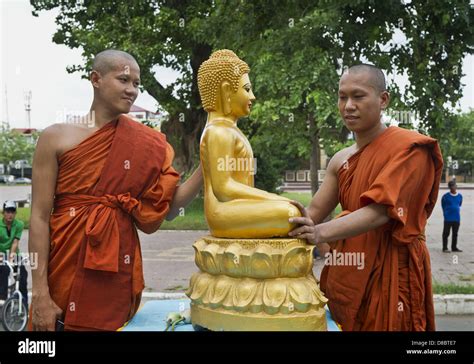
(14,146)
(457,142)
(302,52)
(297,50)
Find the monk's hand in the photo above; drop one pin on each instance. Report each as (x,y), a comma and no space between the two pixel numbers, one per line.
(306,229)
(44,313)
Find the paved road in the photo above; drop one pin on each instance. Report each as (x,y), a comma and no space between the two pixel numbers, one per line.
(455,323)
(14,192)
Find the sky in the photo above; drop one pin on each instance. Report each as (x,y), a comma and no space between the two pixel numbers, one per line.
(30,61)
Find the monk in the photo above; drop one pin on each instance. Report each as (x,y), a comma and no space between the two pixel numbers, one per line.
(387,184)
(94,183)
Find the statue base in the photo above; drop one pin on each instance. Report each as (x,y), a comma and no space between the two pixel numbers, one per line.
(255,285)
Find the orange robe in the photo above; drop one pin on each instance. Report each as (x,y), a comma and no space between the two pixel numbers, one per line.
(400,169)
(117,179)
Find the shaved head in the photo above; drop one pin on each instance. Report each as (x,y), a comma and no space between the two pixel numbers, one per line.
(110,59)
(115,78)
(362,97)
(376,79)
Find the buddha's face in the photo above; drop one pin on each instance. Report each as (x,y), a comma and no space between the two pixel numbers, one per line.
(241,100)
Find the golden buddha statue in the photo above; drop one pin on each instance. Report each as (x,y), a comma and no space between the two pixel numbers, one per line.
(234,207)
(252,275)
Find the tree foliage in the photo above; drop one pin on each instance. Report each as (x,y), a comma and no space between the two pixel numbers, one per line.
(296,50)
(14,146)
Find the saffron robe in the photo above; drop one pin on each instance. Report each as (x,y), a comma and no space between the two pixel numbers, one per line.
(117,179)
(400,169)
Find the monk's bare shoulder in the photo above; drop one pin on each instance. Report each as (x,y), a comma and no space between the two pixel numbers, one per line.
(50,138)
(339,158)
(69,135)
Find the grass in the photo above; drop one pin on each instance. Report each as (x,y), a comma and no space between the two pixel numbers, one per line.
(176,288)
(192,216)
(23,214)
(451,288)
(303,197)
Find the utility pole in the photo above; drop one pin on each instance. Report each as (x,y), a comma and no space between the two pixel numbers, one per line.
(28,107)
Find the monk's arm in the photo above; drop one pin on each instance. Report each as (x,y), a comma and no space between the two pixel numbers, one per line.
(326,198)
(220,143)
(43,183)
(45,170)
(185,193)
(358,222)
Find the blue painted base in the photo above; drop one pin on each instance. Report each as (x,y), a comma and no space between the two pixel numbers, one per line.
(152,316)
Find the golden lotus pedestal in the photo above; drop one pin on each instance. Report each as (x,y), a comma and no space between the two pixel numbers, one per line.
(255,285)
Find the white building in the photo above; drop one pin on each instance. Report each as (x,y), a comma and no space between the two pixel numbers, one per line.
(140,114)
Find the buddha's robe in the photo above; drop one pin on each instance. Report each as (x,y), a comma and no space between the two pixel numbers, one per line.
(116,180)
(391,290)
(234,208)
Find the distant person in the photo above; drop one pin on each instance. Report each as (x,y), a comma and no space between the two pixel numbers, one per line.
(451,203)
(10,235)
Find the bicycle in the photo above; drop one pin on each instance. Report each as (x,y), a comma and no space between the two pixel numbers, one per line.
(14,313)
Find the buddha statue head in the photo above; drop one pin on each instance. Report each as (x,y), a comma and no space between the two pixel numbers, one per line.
(224,85)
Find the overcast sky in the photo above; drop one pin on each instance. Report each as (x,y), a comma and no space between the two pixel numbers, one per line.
(31,61)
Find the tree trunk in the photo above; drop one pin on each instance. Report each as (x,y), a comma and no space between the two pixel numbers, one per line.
(184,127)
(183,132)
(315,158)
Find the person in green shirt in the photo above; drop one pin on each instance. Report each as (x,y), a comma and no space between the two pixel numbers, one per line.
(10,235)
